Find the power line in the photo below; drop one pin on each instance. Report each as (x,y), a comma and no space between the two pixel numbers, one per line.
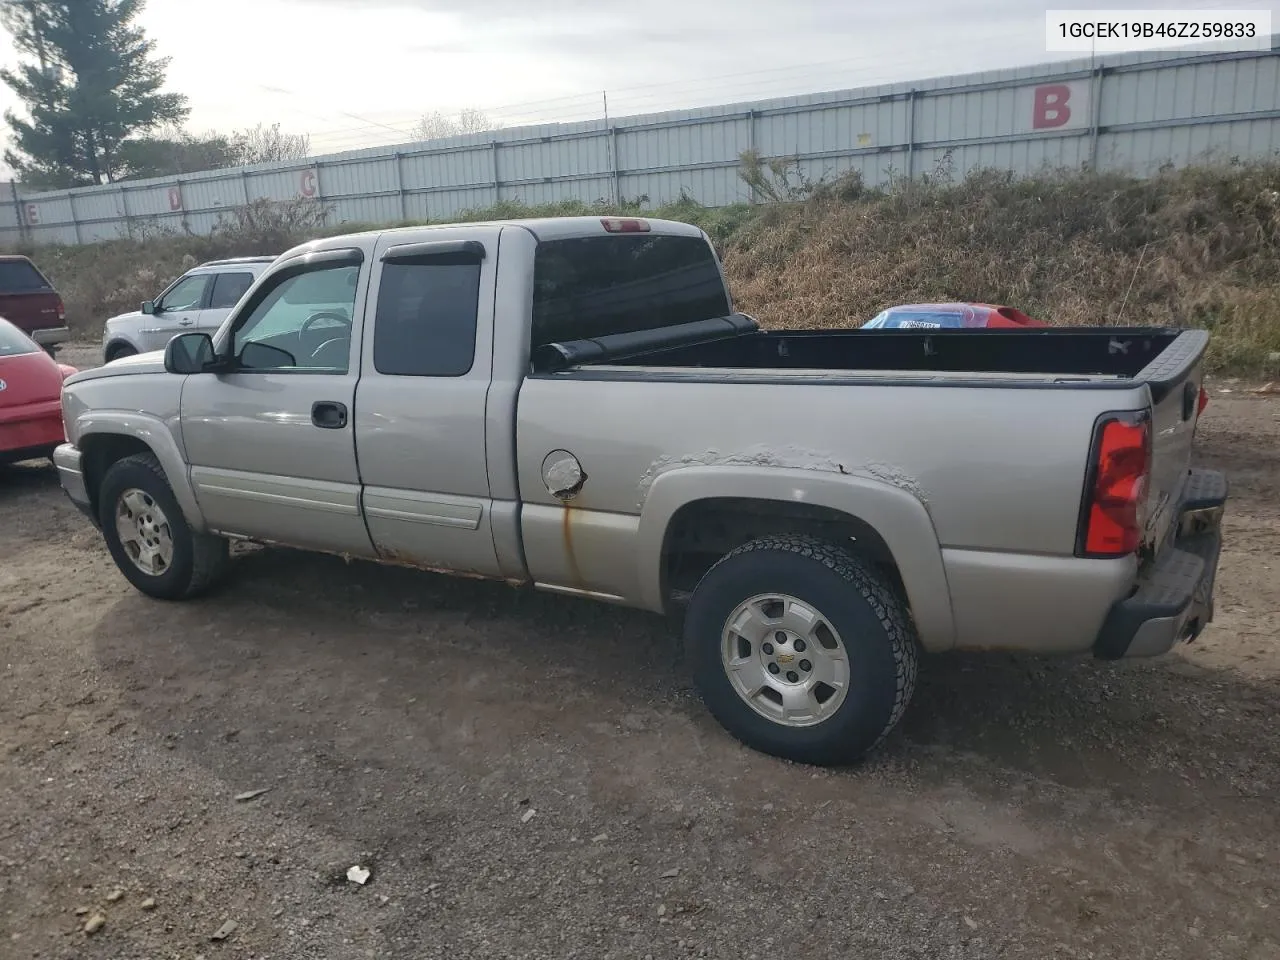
(371,135)
(535,113)
(715,90)
(921,56)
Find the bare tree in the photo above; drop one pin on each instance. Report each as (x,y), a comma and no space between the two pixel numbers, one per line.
(171,151)
(263,144)
(474,120)
(436,125)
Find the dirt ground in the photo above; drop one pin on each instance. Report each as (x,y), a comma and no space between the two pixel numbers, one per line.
(530,776)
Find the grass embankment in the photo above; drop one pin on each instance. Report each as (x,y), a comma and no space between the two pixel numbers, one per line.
(1196,247)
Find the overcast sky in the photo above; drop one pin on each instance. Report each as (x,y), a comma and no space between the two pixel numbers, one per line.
(356,73)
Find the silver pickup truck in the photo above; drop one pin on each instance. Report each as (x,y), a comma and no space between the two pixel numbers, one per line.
(573,404)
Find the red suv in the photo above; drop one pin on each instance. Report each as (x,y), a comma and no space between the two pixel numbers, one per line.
(29,302)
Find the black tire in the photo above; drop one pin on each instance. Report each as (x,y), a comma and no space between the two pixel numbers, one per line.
(877,635)
(199,560)
(119,350)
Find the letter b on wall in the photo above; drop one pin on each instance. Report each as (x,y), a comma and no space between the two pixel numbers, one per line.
(1051,106)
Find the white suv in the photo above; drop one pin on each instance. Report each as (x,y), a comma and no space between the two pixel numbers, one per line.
(199,300)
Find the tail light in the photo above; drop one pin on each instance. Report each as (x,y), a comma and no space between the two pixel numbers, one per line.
(62,309)
(624,225)
(1202,402)
(1117,487)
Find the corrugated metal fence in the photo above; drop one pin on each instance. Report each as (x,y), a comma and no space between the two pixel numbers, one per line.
(1131,112)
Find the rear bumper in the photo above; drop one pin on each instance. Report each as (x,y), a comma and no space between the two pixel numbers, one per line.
(71,475)
(1173,598)
(48,336)
(31,430)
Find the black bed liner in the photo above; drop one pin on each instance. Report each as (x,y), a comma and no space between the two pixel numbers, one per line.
(1158,356)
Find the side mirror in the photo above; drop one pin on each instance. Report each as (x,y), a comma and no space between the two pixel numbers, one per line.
(148,307)
(263,356)
(189,353)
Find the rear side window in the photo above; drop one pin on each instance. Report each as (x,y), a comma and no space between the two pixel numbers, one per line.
(228,288)
(20,276)
(596,286)
(425,325)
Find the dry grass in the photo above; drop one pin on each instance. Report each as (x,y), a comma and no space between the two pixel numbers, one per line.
(100,280)
(1196,247)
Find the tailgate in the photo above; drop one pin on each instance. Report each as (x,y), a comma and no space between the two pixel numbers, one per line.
(27,298)
(32,311)
(1174,379)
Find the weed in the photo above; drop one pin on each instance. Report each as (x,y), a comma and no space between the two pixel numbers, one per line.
(1192,247)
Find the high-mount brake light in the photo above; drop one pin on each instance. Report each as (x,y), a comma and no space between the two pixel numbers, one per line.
(1120,475)
(624,224)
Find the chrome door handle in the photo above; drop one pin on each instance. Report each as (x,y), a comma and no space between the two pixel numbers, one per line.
(185,322)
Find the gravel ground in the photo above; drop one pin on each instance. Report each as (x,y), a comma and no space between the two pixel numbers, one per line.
(530,776)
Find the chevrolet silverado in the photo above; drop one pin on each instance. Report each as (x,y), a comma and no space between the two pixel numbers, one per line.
(574,404)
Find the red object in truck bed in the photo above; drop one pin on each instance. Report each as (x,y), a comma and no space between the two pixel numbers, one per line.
(944,316)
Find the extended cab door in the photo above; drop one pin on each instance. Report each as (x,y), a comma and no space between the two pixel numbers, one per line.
(271,443)
(420,404)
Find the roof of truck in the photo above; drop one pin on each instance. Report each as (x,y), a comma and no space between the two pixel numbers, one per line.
(231,261)
(543,228)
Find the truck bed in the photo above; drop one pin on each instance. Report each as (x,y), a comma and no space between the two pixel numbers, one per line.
(1075,375)
(1069,352)
(733,343)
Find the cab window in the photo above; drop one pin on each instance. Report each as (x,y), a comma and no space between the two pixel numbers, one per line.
(302,323)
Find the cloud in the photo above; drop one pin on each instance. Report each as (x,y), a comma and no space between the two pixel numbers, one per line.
(323,62)
(663,54)
(439,49)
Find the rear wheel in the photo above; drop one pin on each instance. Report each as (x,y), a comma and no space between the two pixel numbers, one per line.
(801,650)
(148,536)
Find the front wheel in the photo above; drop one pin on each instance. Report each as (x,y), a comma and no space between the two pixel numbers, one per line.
(148,536)
(801,650)
(120,350)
